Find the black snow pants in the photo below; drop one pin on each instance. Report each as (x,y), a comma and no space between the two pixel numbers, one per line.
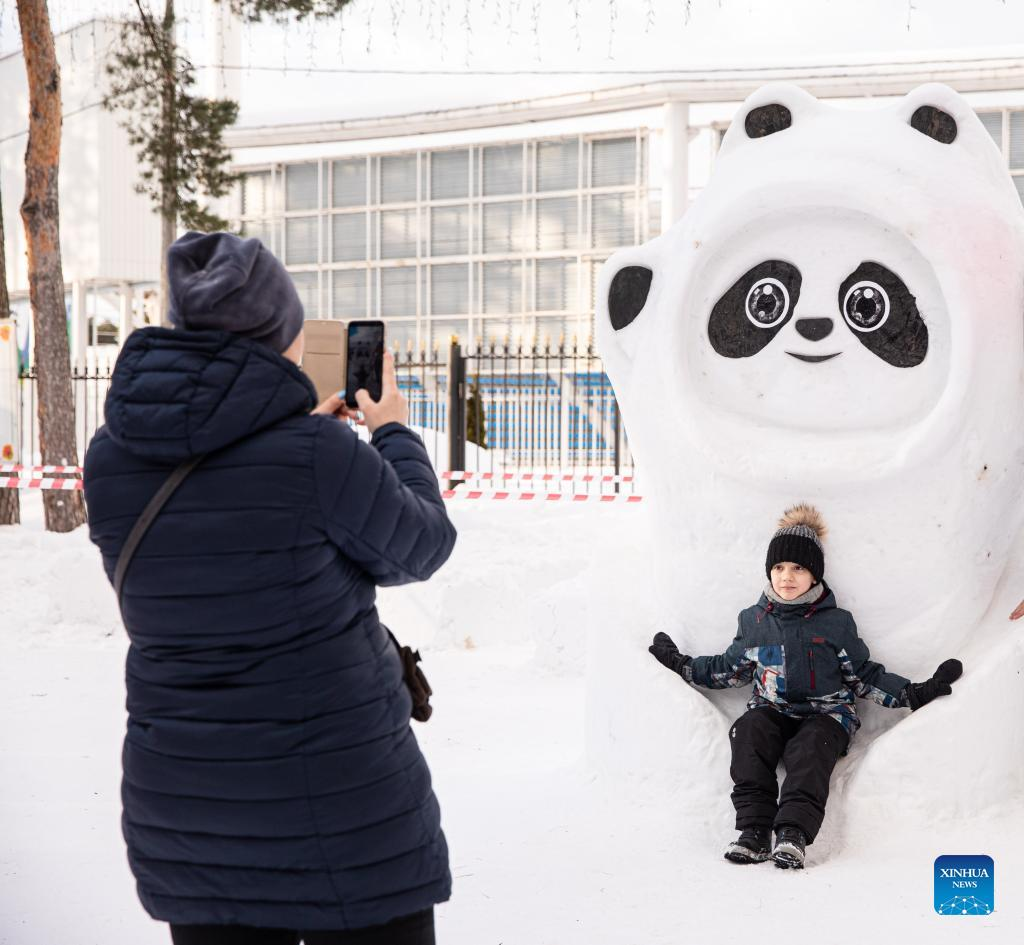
(415,929)
(809,747)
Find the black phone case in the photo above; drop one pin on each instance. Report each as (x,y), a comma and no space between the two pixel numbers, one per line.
(362,371)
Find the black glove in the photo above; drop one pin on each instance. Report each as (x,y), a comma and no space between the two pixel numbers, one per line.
(921,693)
(667,653)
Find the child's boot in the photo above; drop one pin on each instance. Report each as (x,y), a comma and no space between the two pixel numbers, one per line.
(753,845)
(789,847)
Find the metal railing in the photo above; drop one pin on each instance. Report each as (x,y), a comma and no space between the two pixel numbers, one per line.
(521,410)
(89,389)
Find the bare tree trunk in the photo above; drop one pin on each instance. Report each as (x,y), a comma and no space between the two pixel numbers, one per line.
(168,213)
(63,511)
(10,506)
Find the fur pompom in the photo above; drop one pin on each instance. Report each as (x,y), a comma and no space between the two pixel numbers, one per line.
(804,514)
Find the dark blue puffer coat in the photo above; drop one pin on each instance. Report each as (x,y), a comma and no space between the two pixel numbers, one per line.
(270,774)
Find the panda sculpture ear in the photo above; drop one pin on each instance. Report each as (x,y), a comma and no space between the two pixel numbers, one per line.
(627,295)
(935,123)
(766,120)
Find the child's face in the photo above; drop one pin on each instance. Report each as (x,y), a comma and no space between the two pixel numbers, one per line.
(790,580)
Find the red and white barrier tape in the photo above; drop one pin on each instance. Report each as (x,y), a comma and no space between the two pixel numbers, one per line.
(17,468)
(539,496)
(14,482)
(532,477)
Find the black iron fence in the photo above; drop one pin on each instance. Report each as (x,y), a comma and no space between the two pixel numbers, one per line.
(89,389)
(517,411)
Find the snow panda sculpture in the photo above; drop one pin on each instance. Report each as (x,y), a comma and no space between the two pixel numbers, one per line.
(838,318)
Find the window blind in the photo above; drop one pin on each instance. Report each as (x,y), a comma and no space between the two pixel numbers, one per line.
(348,232)
(449,231)
(349,182)
(612,220)
(398,178)
(556,223)
(398,232)
(350,296)
(449,174)
(556,285)
(503,227)
(558,164)
(503,169)
(449,290)
(300,187)
(398,292)
(307,284)
(300,240)
(256,194)
(502,287)
(613,162)
(1017,139)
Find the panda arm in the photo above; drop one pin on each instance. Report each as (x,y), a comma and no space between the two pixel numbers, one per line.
(731,668)
(866,678)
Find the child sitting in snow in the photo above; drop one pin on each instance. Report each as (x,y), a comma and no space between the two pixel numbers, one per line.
(807,664)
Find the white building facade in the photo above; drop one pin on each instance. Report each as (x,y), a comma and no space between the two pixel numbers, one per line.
(490,223)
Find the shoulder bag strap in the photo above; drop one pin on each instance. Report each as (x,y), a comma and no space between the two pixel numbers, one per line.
(143,522)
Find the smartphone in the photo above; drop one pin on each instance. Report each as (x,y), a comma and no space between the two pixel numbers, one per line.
(364,359)
(323,359)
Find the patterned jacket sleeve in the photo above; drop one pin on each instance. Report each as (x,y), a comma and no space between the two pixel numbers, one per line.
(869,679)
(381,502)
(732,668)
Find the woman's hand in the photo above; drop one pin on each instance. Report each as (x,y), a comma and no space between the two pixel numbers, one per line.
(335,406)
(392,406)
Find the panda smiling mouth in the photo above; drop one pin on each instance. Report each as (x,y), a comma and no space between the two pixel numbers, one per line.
(814,358)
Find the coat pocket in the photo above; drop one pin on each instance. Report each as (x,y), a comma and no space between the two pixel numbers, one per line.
(824,675)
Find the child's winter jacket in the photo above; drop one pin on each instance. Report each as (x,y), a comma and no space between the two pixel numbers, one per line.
(803,659)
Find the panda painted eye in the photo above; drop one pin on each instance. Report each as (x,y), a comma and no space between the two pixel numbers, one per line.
(883,315)
(866,306)
(767,303)
(754,309)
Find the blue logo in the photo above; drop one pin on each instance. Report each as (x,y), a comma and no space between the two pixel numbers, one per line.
(964,885)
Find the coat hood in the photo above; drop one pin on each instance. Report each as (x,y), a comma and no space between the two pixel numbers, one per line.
(176,394)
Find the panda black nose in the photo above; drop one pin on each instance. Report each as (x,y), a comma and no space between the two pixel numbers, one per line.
(814,329)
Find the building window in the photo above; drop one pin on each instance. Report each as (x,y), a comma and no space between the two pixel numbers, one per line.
(612,220)
(348,237)
(449,175)
(503,170)
(502,288)
(350,295)
(556,285)
(300,240)
(449,231)
(503,227)
(449,290)
(398,178)
(301,187)
(558,165)
(613,162)
(398,292)
(556,223)
(348,183)
(307,284)
(398,231)
(256,195)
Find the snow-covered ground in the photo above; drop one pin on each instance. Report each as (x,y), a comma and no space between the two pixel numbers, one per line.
(544,848)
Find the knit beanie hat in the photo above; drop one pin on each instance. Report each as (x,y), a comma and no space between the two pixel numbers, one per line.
(798,539)
(221,281)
